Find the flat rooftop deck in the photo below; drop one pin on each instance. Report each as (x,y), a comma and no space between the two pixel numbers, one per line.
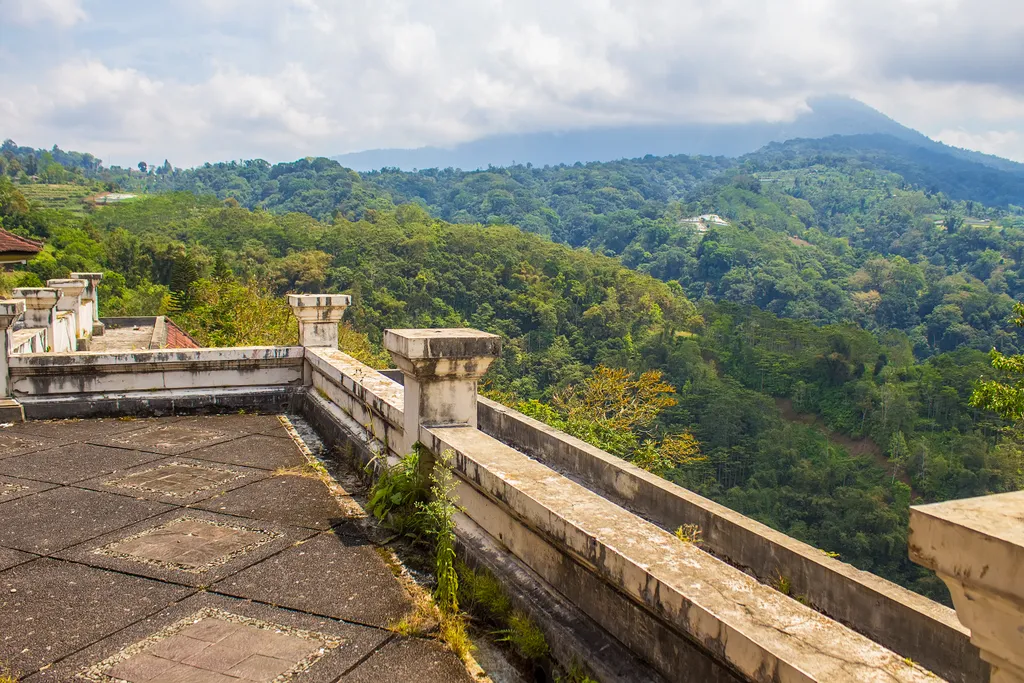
(191,549)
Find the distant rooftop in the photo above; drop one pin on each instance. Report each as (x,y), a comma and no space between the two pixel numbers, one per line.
(134,334)
(16,249)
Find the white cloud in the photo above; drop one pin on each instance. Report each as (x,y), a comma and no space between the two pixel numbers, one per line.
(61,12)
(209,79)
(1004,143)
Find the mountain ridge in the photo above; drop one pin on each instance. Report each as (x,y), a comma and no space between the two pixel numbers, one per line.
(828,116)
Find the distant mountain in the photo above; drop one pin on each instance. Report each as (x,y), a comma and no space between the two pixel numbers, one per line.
(828,116)
(958,173)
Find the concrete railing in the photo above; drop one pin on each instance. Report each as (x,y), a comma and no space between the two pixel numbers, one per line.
(680,610)
(83,384)
(903,621)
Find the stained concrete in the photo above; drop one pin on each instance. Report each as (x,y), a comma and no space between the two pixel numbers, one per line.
(356,642)
(73,463)
(328,574)
(259,450)
(288,499)
(166,438)
(191,547)
(10,558)
(60,518)
(126,565)
(12,488)
(51,608)
(83,430)
(15,442)
(181,481)
(409,659)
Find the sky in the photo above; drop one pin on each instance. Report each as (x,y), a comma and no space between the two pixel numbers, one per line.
(208,80)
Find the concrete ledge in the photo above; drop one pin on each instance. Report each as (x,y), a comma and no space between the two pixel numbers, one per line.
(901,620)
(120,372)
(273,399)
(746,626)
(374,401)
(571,634)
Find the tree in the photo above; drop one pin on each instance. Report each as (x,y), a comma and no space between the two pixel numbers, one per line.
(1005,396)
(899,454)
(143,166)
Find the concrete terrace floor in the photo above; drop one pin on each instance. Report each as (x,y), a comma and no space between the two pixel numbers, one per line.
(191,549)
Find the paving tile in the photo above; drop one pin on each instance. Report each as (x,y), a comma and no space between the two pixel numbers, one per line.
(83,430)
(72,463)
(179,481)
(259,668)
(191,547)
(50,609)
(140,668)
(330,575)
(296,500)
(17,443)
(166,438)
(62,517)
(238,425)
(333,647)
(410,659)
(262,451)
(10,558)
(12,488)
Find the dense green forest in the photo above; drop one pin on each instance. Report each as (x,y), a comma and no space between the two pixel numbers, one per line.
(822,344)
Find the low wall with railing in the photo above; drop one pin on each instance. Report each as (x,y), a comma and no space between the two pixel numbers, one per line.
(908,623)
(678,609)
(586,527)
(89,384)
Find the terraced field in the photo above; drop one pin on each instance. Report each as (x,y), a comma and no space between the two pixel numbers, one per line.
(67,197)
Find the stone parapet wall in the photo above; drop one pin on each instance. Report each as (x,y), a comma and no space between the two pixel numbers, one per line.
(58,374)
(908,623)
(681,610)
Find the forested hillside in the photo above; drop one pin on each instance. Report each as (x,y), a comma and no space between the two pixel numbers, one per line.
(822,343)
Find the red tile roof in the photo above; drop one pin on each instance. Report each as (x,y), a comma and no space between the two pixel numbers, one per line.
(178,338)
(12,244)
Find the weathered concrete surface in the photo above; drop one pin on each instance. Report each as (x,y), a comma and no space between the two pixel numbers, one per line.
(759,633)
(976,546)
(373,401)
(441,370)
(122,598)
(280,398)
(319,315)
(571,639)
(903,621)
(121,372)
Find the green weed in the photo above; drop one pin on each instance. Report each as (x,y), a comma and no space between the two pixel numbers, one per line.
(524,636)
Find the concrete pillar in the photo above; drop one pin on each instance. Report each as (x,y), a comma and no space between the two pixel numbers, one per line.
(40,309)
(71,291)
(976,546)
(319,315)
(10,310)
(441,370)
(92,297)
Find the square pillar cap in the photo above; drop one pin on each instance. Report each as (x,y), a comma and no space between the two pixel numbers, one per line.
(38,297)
(69,286)
(319,308)
(318,300)
(436,344)
(10,309)
(978,541)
